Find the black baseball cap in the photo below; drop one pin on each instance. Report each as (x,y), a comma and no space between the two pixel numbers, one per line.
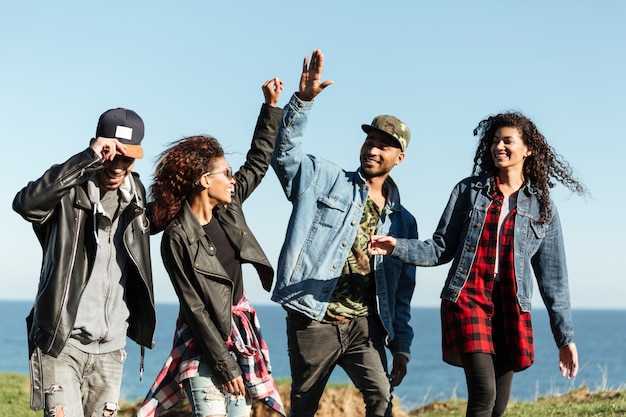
(124,125)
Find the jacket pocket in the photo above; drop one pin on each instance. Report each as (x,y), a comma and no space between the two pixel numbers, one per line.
(331,210)
(539,229)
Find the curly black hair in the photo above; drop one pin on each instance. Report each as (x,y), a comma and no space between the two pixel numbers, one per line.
(542,167)
(177,173)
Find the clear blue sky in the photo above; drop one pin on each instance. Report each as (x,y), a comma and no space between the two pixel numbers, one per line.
(441,66)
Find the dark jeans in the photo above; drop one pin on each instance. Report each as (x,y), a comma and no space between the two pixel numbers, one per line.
(316,348)
(489,379)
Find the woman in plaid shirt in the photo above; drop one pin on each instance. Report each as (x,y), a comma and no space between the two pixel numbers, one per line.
(499,228)
(219,358)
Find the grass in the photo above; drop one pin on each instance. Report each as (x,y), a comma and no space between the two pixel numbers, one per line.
(577,403)
(14,402)
(14,396)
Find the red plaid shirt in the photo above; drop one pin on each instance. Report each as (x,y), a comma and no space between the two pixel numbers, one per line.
(487,317)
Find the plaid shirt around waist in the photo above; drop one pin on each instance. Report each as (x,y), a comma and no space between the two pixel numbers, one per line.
(183,361)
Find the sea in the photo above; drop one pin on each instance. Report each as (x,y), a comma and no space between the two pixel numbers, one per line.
(600,339)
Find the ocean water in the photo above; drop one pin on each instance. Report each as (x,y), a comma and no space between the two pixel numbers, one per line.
(600,338)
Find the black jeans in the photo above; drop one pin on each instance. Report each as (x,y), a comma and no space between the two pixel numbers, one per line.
(315,348)
(489,379)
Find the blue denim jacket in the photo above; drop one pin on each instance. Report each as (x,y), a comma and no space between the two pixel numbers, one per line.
(327,206)
(538,247)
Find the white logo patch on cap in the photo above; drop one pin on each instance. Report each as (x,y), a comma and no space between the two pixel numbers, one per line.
(123,132)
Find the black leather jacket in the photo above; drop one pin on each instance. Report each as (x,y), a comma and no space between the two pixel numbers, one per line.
(58,206)
(203,287)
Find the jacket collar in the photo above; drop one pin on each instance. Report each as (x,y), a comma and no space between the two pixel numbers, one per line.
(484,182)
(189,222)
(390,187)
(393,194)
(126,192)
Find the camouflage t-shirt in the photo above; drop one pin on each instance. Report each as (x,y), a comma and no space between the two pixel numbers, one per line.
(354,295)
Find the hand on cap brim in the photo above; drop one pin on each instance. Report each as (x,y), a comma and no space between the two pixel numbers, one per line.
(107,148)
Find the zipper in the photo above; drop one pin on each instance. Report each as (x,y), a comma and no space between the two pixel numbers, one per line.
(107,283)
(66,288)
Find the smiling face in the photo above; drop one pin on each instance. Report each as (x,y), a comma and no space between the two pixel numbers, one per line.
(112,176)
(379,154)
(508,149)
(220,182)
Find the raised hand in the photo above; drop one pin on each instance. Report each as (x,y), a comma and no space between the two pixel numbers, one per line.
(271,91)
(311,83)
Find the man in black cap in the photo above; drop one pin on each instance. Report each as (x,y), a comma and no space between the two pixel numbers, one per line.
(89,214)
(344,307)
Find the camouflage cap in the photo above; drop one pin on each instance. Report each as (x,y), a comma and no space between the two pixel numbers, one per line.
(392,127)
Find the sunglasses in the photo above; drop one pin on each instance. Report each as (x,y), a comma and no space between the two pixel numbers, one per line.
(228,172)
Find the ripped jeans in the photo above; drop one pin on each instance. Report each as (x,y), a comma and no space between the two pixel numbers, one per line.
(79,384)
(207,398)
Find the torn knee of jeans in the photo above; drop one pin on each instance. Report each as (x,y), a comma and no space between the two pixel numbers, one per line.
(53,388)
(59,409)
(56,411)
(110,409)
(212,394)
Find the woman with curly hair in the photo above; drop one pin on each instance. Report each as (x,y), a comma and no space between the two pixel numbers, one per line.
(499,227)
(219,357)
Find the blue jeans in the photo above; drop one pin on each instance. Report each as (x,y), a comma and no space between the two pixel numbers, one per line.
(315,348)
(207,398)
(82,384)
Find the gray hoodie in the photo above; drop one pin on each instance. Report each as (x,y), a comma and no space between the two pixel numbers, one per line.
(102,318)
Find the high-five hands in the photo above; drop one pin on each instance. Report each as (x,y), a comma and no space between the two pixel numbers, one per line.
(271,91)
(311,83)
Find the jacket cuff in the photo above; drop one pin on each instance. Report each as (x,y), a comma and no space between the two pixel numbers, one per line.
(401,249)
(267,109)
(227,369)
(298,104)
(564,339)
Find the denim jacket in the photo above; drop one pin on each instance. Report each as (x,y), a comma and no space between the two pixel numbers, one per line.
(327,206)
(538,247)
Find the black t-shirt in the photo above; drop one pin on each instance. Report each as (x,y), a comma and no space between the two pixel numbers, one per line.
(227,256)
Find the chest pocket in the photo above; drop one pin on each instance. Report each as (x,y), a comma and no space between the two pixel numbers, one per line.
(539,229)
(204,261)
(536,233)
(331,210)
